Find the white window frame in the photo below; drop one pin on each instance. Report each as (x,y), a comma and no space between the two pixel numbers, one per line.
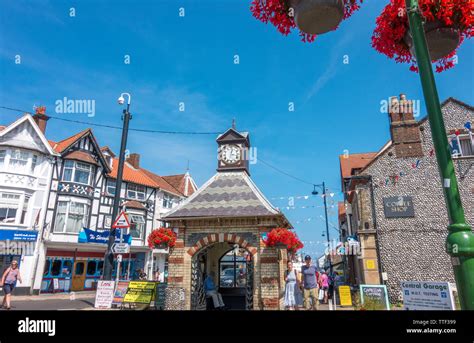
(20,202)
(112,184)
(69,202)
(167,201)
(77,166)
(3,158)
(137,219)
(133,193)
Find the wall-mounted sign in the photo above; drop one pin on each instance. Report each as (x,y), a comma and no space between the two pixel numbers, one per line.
(18,235)
(398,207)
(427,296)
(370,264)
(91,236)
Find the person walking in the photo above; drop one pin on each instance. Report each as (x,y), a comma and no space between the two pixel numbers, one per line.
(8,282)
(291,287)
(309,284)
(325,286)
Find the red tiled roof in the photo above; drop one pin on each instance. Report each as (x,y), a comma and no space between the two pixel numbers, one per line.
(132,175)
(66,143)
(81,156)
(133,204)
(354,161)
(179,182)
(163,184)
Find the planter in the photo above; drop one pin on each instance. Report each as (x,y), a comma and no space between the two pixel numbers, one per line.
(441,40)
(318,16)
(161,246)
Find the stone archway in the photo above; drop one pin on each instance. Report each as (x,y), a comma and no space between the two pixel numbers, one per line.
(200,264)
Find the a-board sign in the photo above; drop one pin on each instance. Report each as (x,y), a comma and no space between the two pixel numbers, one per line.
(104,294)
(375,295)
(345,298)
(120,291)
(418,295)
(160,294)
(140,292)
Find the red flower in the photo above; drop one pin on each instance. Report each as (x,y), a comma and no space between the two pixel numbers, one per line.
(284,236)
(277,12)
(392,25)
(162,236)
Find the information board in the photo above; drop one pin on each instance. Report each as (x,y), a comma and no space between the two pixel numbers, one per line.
(104,294)
(345,298)
(120,291)
(419,295)
(376,295)
(140,292)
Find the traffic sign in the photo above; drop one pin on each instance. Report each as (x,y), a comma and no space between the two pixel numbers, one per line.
(121,222)
(120,248)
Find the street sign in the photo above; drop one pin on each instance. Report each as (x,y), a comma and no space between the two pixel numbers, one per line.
(419,295)
(121,248)
(121,222)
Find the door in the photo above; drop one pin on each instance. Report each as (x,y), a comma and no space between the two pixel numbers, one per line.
(79,276)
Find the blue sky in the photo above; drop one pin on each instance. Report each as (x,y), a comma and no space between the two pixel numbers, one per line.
(190,59)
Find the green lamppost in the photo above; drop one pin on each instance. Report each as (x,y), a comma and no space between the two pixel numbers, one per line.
(460,240)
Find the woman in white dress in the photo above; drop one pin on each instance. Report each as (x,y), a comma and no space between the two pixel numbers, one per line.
(292,288)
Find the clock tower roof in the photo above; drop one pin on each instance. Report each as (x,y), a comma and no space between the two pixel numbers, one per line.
(233,152)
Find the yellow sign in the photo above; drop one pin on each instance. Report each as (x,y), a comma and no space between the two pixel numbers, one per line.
(142,292)
(370,264)
(345,296)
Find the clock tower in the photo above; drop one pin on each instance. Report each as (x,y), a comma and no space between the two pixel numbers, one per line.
(233,151)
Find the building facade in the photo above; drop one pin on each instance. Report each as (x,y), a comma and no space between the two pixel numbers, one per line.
(395,204)
(220,230)
(26,165)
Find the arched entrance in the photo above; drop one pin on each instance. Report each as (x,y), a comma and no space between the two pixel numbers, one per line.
(233,268)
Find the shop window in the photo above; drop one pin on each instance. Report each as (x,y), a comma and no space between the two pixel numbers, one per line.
(56,268)
(100,267)
(91,267)
(67,267)
(47,265)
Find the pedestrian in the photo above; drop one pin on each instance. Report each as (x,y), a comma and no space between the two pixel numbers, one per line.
(8,282)
(309,284)
(211,291)
(325,286)
(292,287)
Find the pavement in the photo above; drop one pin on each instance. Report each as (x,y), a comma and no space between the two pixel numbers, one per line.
(79,301)
(59,301)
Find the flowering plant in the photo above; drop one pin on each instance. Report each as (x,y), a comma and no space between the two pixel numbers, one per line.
(285,237)
(162,236)
(278,13)
(392,25)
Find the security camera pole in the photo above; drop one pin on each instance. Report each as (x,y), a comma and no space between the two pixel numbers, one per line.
(109,255)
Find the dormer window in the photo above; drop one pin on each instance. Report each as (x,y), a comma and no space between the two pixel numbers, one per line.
(167,201)
(77,172)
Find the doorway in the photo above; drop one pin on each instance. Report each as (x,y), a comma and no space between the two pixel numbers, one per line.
(78,276)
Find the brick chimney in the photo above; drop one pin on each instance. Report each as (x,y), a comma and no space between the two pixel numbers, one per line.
(41,118)
(404,129)
(134,160)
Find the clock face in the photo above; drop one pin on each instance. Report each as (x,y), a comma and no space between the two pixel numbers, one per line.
(230,154)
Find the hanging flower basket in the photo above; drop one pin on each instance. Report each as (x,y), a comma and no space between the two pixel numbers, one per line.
(161,238)
(447,24)
(283,238)
(312,17)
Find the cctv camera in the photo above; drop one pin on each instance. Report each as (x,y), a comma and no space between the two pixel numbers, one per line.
(121,100)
